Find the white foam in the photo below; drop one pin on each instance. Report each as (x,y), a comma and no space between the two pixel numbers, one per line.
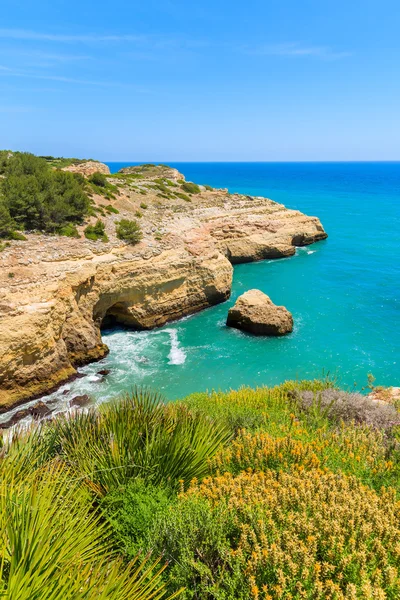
(176,355)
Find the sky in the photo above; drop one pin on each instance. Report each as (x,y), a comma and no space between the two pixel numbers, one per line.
(215,80)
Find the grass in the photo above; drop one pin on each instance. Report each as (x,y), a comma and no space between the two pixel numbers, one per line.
(267,493)
(190,188)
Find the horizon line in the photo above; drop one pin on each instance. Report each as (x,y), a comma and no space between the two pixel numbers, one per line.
(396,160)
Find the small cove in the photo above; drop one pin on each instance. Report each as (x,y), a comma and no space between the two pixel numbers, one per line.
(343,293)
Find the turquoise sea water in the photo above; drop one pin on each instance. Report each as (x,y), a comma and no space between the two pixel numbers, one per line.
(344,293)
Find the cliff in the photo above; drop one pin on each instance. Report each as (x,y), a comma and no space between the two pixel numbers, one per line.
(56,292)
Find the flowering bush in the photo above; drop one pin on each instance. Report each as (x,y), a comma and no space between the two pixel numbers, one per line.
(269,535)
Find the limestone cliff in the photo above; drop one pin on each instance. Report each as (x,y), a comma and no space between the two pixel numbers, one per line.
(56,292)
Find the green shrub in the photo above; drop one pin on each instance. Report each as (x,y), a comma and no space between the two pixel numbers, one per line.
(129,231)
(54,544)
(285,535)
(98,179)
(96,232)
(190,188)
(37,197)
(138,437)
(7,224)
(182,196)
(143,205)
(209,188)
(111,209)
(17,235)
(254,409)
(138,214)
(69,230)
(131,510)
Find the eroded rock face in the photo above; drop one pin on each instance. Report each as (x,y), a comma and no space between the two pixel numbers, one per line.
(255,312)
(61,290)
(88,168)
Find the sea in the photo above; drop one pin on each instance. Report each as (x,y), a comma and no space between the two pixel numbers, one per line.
(344,293)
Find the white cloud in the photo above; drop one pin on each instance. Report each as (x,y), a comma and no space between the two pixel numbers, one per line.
(6,72)
(23,34)
(293,49)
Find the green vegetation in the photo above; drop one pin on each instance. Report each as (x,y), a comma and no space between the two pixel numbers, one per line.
(111,209)
(35,197)
(61,162)
(190,188)
(100,185)
(285,492)
(143,205)
(163,181)
(183,196)
(4,246)
(209,188)
(129,231)
(69,230)
(98,179)
(96,232)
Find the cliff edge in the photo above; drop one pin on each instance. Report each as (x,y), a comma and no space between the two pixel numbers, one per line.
(57,292)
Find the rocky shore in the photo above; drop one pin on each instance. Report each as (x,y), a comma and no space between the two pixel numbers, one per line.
(56,292)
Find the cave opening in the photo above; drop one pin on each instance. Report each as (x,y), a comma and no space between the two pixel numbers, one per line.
(116,315)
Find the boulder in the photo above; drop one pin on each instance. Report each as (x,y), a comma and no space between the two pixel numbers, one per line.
(18,416)
(39,410)
(255,312)
(79,401)
(104,372)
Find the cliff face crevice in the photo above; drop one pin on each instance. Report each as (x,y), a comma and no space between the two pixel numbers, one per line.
(63,291)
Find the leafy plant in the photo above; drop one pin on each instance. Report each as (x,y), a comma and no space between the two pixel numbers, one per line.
(34,196)
(131,510)
(129,231)
(96,232)
(98,179)
(190,188)
(182,196)
(54,545)
(111,209)
(69,230)
(277,535)
(138,436)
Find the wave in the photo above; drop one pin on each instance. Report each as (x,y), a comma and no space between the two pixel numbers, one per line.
(176,356)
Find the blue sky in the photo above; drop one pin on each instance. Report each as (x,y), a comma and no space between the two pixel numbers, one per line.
(211,80)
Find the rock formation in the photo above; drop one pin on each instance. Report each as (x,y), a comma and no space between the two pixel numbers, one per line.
(88,168)
(255,312)
(56,292)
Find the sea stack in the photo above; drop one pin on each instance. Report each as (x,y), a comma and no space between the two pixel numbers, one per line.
(255,313)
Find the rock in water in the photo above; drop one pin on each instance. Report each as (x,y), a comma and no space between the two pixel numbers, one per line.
(79,401)
(255,312)
(39,410)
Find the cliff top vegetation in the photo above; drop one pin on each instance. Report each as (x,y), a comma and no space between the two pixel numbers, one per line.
(285,492)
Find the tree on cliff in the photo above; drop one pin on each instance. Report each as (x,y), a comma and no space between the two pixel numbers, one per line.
(37,197)
(7,225)
(129,231)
